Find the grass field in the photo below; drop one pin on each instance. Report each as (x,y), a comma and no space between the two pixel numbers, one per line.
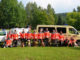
(40,53)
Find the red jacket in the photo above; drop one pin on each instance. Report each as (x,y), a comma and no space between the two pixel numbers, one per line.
(57,35)
(72,41)
(9,36)
(35,36)
(26,35)
(8,42)
(29,35)
(22,35)
(47,34)
(52,36)
(15,36)
(61,37)
(40,35)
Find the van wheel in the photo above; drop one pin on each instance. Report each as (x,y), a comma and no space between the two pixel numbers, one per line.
(78,42)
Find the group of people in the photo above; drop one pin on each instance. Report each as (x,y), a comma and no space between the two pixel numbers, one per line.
(38,39)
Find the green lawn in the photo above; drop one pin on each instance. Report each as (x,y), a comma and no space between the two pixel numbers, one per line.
(40,53)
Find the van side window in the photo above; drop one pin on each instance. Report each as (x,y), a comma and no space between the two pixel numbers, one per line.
(49,28)
(72,31)
(61,29)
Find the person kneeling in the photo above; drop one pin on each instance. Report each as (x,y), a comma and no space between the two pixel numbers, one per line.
(71,42)
(8,43)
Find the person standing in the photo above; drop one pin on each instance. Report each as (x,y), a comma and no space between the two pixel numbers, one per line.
(22,37)
(56,35)
(15,38)
(35,38)
(29,37)
(62,38)
(9,35)
(53,38)
(41,37)
(47,37)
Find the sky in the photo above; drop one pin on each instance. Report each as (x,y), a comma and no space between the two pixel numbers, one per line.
(60,6)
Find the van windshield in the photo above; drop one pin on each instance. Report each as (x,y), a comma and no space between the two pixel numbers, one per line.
(73,31)
(2,33)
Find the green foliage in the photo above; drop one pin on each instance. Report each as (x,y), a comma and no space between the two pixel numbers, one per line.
(74,19)
(12,14)
(61,19)
(74,10)
(78,9)
(37,15)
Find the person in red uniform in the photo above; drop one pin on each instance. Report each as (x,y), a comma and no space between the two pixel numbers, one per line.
(56,38)
(9,35)
(29,37)
(22,37)
(53,38)
(61,38)
(8,43)
(35,38)
(66,41)
(47,37)
(41,37)
(8,40)
(15,39)
(72,42)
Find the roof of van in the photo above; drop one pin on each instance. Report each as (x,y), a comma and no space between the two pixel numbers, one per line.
(54,26)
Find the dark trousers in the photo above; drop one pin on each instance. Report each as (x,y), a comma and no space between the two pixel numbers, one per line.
(55,42)
(66,42)
(15,43)
(61,43)
(46,41)
(23,41)
(39,42)
(72,45)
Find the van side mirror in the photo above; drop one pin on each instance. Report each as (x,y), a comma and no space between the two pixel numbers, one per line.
(77,33)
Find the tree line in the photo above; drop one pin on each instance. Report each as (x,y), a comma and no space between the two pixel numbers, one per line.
(73,18)
(14,14)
